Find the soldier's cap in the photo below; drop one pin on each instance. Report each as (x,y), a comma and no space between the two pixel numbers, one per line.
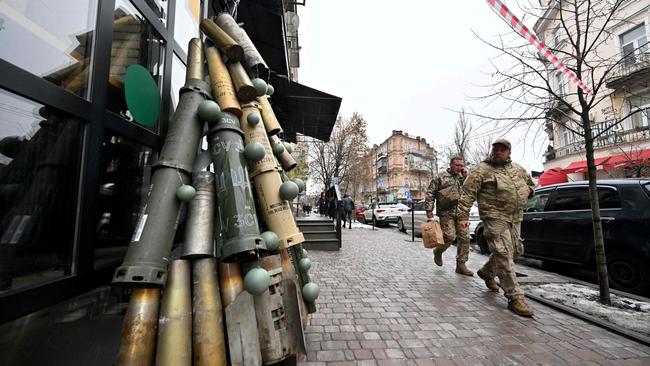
(503,142)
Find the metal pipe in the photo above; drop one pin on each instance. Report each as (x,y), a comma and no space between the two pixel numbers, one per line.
(138,339)
(209,334)
(175,321)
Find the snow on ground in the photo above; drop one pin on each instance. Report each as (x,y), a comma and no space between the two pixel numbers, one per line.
(625,312)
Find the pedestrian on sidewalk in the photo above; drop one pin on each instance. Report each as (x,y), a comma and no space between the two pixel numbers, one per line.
(445,190)
(348,207)
(502,189)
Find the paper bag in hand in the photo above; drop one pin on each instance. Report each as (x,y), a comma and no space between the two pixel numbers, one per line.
(432,234)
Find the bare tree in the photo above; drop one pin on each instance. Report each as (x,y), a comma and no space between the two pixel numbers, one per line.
(536,92)
(462,133)
(479,151)
(336,157)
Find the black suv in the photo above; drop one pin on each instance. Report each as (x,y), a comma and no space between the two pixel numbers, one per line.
(557,227)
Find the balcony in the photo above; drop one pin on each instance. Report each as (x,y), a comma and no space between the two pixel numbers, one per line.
(616,138)
(555,106)
(634,70)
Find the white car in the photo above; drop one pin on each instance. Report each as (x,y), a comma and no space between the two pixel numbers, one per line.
(383,213)
(405,220)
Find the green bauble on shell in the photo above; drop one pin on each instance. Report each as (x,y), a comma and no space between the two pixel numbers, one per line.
(254,152)
(299,182)
(256,281)
(304,264)
(278,149)
(289,190)
(253,119)
(310,291)
(209,111)
(260,86)
(185,192)
(271,239)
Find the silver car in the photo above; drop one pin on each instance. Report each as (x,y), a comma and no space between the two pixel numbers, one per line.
(408,220)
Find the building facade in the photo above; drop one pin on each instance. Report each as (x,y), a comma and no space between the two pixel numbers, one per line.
(400,166)
(623,148)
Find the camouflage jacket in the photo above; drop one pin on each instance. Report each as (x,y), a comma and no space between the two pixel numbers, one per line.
(445,189)
(502,191)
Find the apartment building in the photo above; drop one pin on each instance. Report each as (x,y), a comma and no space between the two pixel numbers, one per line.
(623,149)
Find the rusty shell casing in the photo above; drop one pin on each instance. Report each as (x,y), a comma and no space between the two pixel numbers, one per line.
(267,181)
(199,229)
(226,44)
(253,61)
(257,134)
(194,60)
(231,281)
(271,123)
(222,88)
(209,328)
(146,260)
(236,206)
(243,85)
(138,340)
(285,159)
(175,320)
(275,339)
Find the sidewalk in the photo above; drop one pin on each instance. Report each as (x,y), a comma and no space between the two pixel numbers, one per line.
(384,302)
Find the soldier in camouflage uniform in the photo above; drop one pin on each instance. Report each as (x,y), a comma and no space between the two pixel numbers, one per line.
(502,189)
(445,189)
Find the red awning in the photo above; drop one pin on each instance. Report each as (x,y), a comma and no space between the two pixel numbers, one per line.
(581,166)
(629,159)
(552,176)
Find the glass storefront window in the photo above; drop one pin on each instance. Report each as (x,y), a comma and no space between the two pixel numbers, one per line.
(40,150)
(178,79)
(135,41)
(50,38)
(188,15)
(126,173)
(159,8)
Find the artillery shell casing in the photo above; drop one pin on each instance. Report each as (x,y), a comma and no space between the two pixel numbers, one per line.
(175,321)
(222,88)
(243,85)
(253,61)
(199,229)
(231,281)
(226,44)
(285,159)
(209,333)
(271,123)
(138,340)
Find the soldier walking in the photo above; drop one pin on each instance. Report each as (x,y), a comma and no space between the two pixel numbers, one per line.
(502,189)
(445,190)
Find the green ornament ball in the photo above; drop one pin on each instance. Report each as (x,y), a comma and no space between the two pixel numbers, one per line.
(304,253)
(253,119)
(256,281)
(288,147)
(254,152)
(289,190)
(304,264)
(271,239)
(299,183)
(209,111)
(310,291)
(260,86)
(270,89)
(278,149)
(185,192)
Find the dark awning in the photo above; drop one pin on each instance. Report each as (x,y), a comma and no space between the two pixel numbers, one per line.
(304,110)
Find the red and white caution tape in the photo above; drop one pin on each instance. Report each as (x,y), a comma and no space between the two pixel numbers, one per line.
(514,22)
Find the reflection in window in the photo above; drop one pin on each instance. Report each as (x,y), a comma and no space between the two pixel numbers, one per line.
(50,38)
(126,172)
(134,42)
(538,202)
(159,8)
(178,79)
(40,151)
(188,15)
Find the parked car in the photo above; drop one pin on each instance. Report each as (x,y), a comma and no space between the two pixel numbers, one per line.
(384,212)
(358,212)
(420,216)
(557,227)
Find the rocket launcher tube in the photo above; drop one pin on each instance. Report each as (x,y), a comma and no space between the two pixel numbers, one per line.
(267,181)
(138,339)
(222,87)
(271,123)
(199,229)
(284,158)
(236,207)
(146,260)
(226,44)
(175,321)
(253,61)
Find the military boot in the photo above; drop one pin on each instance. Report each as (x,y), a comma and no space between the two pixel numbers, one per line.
(461,268)
(489,281)
(437,256)
(519,307)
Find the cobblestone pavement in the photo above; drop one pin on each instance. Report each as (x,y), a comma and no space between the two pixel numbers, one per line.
(384,302)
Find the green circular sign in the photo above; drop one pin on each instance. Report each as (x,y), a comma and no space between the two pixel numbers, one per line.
(142,95)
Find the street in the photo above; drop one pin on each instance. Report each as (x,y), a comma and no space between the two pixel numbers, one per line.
(384,302)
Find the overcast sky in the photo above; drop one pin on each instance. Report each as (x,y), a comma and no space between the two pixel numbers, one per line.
(403,66)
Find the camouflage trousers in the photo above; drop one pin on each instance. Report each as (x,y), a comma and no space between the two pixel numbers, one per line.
(452,232)
(505,243)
